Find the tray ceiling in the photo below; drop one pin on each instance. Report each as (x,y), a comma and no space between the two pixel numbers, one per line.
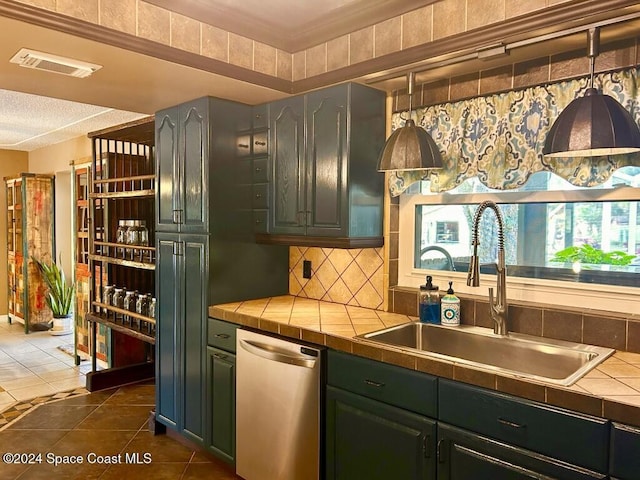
(291,25)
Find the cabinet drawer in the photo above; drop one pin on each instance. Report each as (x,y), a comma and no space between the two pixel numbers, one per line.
(222,334)
(260,173)
(260,221)
(243,145)
(260,196)
(260,116)
(563,434)
(390,384)
(625,452)
(260,146)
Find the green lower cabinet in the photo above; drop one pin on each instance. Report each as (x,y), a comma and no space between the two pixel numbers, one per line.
(367,439)
(464,455)
(221,404)
(624,460)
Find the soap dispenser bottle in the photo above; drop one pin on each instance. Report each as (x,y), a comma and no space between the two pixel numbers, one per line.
(450,308)
(429,302)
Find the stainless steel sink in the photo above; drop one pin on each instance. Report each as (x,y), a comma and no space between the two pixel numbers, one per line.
(547,360)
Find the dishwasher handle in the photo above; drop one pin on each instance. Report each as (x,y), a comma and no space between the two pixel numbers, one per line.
(276,354)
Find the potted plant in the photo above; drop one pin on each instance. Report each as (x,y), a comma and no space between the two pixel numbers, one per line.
(59,297)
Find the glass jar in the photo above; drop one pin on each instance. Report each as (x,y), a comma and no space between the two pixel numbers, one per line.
(151,308)
(107,296)
(132,235)
(142,304)
(121,236)
(129,303)
(143,234)
(118,301)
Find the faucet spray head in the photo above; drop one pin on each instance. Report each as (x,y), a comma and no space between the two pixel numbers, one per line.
(473,277)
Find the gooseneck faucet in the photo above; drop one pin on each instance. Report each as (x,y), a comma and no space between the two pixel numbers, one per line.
(497,309)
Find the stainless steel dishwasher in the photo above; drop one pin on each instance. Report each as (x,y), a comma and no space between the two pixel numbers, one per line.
(278,388)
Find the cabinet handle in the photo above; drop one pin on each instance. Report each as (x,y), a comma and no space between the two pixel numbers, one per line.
(262,144)
(220,356)
(221,335)
(258,222)
(510,424)
(374,384)
(425,446)
(439,452)
(243,145)
(258,169)
(258,195)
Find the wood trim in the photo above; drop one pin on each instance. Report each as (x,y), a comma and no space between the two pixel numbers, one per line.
(340,21)
(90,31)
(565,15)
(118,376)
(324,242)
(139,131)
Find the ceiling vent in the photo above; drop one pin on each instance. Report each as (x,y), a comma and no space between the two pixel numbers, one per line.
(54,63)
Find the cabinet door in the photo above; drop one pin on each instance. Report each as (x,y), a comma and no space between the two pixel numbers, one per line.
(463,455)
(168,325)
(167,171)
(221,403)
(194,155)
(326,162)
(193,347)
(287,157)
(625,452)
(372,440)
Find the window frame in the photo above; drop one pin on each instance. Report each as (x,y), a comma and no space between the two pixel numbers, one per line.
(622,299)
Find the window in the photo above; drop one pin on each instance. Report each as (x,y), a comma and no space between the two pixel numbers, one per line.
(554,232)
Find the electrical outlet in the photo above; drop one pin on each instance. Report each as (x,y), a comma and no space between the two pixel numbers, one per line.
(306,269)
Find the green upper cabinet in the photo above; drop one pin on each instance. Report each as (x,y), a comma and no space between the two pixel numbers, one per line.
(325,189)
(287,161)
(183,153)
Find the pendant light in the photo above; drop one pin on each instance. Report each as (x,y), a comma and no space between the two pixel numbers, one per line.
(593,125)
(409,147)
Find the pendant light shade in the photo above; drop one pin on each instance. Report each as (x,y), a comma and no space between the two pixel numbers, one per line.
(410,147)
(593,125)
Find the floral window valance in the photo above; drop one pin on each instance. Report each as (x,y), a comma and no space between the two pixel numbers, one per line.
(499,138)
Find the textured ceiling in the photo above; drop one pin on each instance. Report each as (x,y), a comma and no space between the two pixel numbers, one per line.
(29,122)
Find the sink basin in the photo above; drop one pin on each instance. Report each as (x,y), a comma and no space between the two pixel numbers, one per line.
(547,360)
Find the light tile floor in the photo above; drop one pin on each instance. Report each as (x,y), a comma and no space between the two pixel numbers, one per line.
(32,365)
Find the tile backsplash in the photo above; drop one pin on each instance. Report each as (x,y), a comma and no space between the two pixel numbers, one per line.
(347,276)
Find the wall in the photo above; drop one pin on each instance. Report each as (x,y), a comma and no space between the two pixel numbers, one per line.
(56,159)
(12,162)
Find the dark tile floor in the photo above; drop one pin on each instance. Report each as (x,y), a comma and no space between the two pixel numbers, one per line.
(103,430)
